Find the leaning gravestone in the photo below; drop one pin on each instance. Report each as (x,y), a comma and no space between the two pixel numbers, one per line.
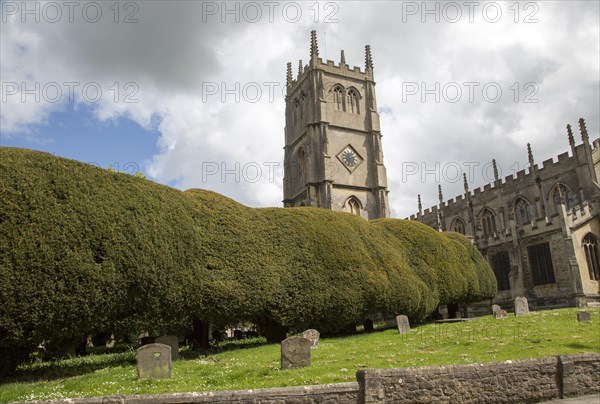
(501,314)
(403,324)
(154,361)
(495,309)
(583,316)
(295,353)
(173,342)
(313,336)
(521,307)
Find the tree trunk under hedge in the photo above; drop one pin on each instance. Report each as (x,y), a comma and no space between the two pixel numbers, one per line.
(200,331)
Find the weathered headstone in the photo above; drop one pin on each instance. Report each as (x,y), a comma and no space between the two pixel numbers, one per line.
(313,336)
(521,306)
(501,314)
(154,361)
(583,316)
(495,309)
(173,342)
(295,353)
(582,303)
(368,325)
(403,324)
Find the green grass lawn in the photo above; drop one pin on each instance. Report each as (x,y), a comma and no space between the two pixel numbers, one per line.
(256,364)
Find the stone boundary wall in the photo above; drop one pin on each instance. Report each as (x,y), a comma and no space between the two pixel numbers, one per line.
(529,380)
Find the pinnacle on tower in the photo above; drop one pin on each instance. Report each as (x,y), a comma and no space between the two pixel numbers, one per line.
(314,47)
(570,135)
(495,170)
(465,183)
(368,58)
(300,68)
(530,154)
(288,76)
(440,195)
(583,130)
(342,58)
(419,203)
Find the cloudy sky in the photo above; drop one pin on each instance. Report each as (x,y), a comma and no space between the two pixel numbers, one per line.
(191,93)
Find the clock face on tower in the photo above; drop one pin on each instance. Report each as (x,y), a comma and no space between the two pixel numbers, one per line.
(350,158)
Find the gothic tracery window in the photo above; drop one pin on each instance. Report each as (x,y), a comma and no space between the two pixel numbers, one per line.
(301,163)
(338,98)
(353,206)
(458,226)
(562,194)
(295,111)
(590,247)
(352,102)
(522,211)
(488,223)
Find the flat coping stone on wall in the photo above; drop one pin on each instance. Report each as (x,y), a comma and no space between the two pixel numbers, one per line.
(154,361)
(342,393)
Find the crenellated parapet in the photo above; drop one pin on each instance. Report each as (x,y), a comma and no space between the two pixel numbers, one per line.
(541,190)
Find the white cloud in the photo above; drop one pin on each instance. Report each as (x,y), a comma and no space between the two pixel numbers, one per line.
(173,57)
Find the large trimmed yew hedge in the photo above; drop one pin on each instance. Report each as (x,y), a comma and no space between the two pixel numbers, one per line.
(86,250)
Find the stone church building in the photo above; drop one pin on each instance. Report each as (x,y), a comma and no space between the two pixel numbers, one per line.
(539,230)
(333,157)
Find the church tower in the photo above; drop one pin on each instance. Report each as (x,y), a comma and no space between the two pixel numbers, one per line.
(333,155)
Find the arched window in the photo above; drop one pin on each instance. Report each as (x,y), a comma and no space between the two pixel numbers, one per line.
(458,226)
(353,206)
(590,247)
(522,211)
(338,98)
(302,104)
(296,110)
(562,194)
(301,163)
(352,101)
(488,223)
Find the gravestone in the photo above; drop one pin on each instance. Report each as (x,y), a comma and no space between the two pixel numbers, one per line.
(582,303)
(583,316)
(521,306)
(495,309)
(154,361)
(368,325)
(295,353)
(313,336)
(238,334)
(173,342)
(403,324)
(501,314)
